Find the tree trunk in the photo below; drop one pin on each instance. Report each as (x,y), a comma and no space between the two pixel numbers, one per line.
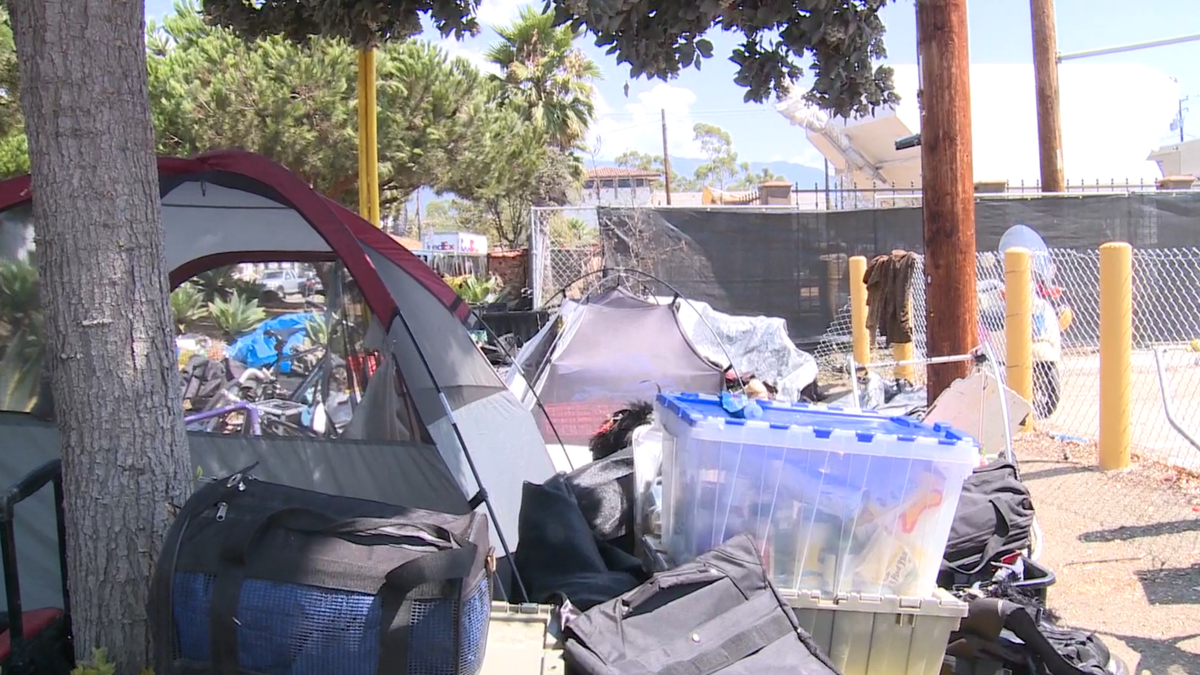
(104,293)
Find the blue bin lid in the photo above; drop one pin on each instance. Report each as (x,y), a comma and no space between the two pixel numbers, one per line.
(695,409)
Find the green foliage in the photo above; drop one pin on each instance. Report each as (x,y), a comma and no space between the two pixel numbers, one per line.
(22,353)
(751,180)
(221,283)
(100,665)
(568,231)
(236,315)
(544,74)
(838,40)
(723,170)
(474,290)
(632,159)
(20,375)
(547,178)
(440,216)
(296,103)
(722,167)
(442,123)
(362,22)
(188,306)
(18,292)
(215,283)
(14,151)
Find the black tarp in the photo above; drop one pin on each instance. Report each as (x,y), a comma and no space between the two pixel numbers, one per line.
(792,264)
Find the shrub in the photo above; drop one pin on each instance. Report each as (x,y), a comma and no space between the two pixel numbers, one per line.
(237,315)
(187,306)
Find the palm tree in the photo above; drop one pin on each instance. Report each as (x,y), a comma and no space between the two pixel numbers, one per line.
(542,71)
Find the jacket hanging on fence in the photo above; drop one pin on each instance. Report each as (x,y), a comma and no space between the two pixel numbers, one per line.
(888,312)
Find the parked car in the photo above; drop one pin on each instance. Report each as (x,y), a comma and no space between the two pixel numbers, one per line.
(282,282)
(312,285)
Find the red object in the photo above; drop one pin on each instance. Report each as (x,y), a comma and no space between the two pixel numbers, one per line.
(362,366)
(32,623)
(344,230)
(576,421)
(1011,558)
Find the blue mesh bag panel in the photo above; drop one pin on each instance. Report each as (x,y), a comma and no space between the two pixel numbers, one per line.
(273,580)
(291,629)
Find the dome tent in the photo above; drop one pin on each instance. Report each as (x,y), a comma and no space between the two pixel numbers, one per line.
(232,207)
(603,352)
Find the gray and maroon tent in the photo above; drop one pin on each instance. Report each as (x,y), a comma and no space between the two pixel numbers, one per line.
(233,207)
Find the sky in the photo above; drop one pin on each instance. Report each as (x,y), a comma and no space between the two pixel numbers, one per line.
(999,34)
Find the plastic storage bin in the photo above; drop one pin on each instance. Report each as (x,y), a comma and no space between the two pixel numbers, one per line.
(843,502)
(872,635)
(523,640)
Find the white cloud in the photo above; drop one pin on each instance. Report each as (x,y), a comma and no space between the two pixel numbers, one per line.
(637,125)
(498,12)
(456,49)
(491,13)
(809,157)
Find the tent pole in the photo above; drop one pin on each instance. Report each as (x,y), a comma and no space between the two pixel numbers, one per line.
(487,501)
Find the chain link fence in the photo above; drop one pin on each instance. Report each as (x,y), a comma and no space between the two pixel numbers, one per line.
(1153,506)
(564,245)
(1152,510)
(1166,290)
(567,254)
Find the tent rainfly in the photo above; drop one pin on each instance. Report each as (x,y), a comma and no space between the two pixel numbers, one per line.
(232,207)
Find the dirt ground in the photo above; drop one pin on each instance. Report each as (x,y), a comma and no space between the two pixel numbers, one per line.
(1125,548)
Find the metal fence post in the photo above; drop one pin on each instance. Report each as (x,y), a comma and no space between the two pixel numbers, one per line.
(858,311)
(535,258)
(1018,321)
(1116,346)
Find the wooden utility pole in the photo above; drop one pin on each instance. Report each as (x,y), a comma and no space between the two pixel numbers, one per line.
(1045,73)
(666,156)
(948,187)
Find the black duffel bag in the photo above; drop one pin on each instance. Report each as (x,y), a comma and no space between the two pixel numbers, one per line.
(994,520)
(1002,635)
(718,614)
(257,578)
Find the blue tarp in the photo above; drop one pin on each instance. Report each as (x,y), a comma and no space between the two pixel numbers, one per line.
(256,351)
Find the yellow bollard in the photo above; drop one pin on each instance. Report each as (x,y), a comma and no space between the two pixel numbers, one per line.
(1116,347)
(858,311)
(1018,321)
(368,139)
(903,351)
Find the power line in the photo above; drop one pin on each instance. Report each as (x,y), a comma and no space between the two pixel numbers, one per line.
(1128,48)
(692,113)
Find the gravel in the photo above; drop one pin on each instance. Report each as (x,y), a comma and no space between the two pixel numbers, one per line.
(1125,547)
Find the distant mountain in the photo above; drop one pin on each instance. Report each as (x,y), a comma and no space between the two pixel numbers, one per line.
(805,176)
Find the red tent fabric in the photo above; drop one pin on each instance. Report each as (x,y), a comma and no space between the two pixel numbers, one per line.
(344,232)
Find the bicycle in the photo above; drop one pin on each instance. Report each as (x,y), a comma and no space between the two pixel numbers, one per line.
(261,386)
(263,418)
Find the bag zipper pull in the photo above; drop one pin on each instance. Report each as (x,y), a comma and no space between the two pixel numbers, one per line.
(222,507)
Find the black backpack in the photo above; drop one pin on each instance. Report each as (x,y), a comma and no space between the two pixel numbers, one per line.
(994,520)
